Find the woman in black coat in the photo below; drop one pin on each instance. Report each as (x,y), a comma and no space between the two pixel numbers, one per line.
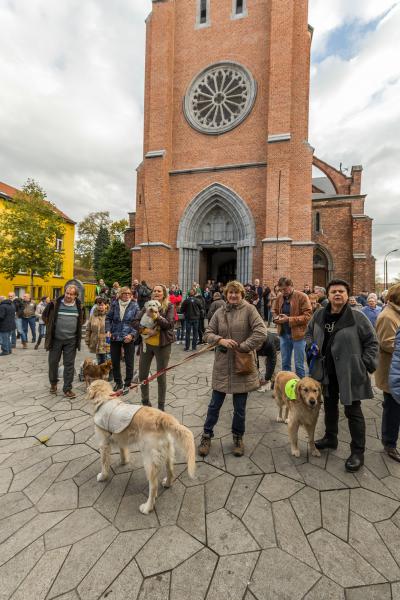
(342,350)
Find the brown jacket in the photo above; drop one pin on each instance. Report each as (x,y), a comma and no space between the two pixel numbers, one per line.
(387,325)
(95,337)
(243,324)
(300,313)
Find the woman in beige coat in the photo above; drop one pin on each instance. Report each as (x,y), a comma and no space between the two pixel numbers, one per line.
(236,327)
(95,337)
(387,325)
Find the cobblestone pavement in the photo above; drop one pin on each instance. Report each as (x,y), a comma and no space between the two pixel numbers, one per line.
(266,526)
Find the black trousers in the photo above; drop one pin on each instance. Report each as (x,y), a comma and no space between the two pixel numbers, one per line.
(129,357)
(66,349)
(353,412)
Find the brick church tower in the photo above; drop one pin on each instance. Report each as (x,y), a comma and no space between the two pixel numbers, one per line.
(224,189)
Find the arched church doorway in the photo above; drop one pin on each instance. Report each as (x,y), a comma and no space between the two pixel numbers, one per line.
(216,236)
(322,269)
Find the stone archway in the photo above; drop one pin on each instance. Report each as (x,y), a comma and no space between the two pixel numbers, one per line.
(217,218)
(322,266)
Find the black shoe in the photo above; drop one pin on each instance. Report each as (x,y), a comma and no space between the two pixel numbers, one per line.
(117,387)
(126,389)
(393,453)
(354,462)
(326,442)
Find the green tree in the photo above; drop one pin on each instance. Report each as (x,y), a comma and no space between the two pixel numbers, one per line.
(101,245)
(116,264)
(29,227)
(88,230)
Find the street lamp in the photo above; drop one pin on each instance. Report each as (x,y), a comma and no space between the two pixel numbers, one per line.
(385,268)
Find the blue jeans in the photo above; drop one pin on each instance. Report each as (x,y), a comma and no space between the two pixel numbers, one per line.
(5,342)
(288,346)
(31,323)
(192,325)
(239,412)
(390,421)
(20,329)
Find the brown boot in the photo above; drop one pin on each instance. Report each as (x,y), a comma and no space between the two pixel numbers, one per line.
(238,446)
(69,394)
(205,443)
(24,345)
(53,388)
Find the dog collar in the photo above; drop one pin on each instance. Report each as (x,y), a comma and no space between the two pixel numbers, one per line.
(290,389)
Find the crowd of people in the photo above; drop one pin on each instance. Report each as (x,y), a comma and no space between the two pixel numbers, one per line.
(338,338)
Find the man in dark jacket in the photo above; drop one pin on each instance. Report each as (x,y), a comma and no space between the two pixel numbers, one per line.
(343,351)
(63,318)
(192,309)
(7,325)
(143,294)
(19,309)
(217,302)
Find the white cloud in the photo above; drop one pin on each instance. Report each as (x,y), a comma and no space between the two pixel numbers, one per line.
(355,113)
(71,110)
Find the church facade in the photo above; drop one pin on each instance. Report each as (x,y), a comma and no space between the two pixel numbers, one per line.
(225,188)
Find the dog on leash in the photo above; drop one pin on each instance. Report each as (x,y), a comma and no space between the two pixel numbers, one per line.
(147,322)
(92,371)
(301,399)
(153,430)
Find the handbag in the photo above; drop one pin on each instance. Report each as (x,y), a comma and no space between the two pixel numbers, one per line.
(244,361)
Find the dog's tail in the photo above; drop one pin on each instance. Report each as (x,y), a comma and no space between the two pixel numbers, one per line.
(183,436)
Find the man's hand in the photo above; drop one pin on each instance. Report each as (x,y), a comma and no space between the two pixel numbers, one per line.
(280,319)
(228,343)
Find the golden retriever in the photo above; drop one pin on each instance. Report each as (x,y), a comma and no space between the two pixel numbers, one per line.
(302,410)
(153,430)
(92,371)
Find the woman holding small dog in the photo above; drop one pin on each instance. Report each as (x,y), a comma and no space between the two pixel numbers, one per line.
(95,337)
(121,331)
(157,343)
(238,330)
(343,350)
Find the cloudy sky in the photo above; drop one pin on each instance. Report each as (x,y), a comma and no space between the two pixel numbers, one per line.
(72,101)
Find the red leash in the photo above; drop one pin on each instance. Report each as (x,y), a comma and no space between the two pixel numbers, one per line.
(134,386)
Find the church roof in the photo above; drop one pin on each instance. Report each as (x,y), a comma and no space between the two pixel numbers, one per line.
(324,187)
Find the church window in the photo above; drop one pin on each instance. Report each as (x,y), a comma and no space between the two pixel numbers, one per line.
(239,8)
(317,222)
(203,12)
(220,98)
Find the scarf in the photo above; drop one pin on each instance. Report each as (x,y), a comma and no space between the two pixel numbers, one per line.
(122,308)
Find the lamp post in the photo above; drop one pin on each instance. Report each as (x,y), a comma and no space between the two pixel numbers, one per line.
(385,269)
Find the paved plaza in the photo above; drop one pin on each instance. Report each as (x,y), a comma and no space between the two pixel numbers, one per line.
(262,527)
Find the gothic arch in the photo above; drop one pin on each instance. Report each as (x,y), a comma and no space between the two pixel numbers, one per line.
(323,267)
(240,231)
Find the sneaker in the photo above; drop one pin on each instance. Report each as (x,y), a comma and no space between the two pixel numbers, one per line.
(117,387)
(238,446)
(69,394)
(53,388)
(393,453)
(205,443)
(126,389)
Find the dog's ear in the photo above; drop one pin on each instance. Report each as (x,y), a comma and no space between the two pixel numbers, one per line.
(299,394)
(92,390)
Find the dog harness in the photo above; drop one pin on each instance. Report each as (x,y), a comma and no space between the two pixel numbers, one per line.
(115,416)
(290,389)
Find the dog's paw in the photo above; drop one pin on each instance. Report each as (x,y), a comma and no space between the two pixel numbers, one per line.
(285,421)
(166,483)
(101,477)
(296,453)
(145,509)
(316,452)
(280,420)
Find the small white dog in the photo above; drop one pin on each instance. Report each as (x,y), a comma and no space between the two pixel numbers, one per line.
(153,430)
(147,322)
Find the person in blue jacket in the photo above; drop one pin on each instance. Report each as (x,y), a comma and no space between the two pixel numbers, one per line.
(394,373)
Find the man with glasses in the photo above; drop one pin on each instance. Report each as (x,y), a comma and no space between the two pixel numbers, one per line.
(292,312)
(63,318)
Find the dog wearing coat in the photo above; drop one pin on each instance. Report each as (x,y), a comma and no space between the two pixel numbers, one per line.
(153,430)
(147,322)
(301,399)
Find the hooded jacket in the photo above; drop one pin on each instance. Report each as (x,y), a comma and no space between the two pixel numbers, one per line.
(7,316)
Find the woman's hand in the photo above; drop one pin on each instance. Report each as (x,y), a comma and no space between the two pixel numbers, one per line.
(128,339)
(151,332)
(228,343)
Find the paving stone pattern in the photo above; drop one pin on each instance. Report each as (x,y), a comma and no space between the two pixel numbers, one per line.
(263,527)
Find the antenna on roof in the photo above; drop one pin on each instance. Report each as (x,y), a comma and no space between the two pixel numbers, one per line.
(343,169)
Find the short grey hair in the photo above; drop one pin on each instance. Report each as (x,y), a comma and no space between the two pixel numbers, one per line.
(72,285)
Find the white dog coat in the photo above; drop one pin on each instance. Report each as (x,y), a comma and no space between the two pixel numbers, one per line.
(114,416)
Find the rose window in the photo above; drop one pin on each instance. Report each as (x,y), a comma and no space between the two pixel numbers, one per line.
(220,98)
